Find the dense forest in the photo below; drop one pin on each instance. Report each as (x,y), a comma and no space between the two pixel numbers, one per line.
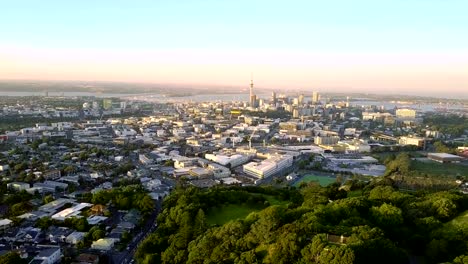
(369,223)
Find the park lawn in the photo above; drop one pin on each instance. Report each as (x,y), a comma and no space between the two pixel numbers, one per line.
(355,193)
(460,221)
(438,169)
(456,225)
(274,200)
(322,180)
(226,213)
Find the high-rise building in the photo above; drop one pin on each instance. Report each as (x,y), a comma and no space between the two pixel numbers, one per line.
(252,96)
(273,97)
(296,113)
(253,100)
(301,99)
(315,97)
(107,104)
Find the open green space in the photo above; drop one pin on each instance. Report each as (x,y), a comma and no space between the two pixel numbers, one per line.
(274,200)
(438,169)
(461,221)
(322,180)
(226,213)
(355,193)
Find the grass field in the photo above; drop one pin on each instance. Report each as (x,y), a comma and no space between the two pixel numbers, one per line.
(439,169)
(322,180)
(355,193)
(460,221)
(226,213)
(275,201)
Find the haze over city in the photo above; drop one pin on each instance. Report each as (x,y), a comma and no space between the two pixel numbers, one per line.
(410,47)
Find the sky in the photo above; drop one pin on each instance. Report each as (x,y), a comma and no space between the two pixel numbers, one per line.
(409,46)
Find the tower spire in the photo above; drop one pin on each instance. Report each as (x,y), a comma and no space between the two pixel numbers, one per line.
(251,84)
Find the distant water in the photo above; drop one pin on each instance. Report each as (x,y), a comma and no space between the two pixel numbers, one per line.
(240,97)
(421,107)
(67,94)
(197,98)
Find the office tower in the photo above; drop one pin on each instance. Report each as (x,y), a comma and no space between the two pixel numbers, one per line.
(315,97)
(301,99)
(107,104)
(273,97)
(295,113)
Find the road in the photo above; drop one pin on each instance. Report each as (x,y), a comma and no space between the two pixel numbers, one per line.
(126,256)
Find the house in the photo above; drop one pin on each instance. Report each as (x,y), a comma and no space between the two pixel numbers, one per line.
(5,224)
(28,234)
(48,256)
(70,212)
(132,216)
(97,209)
(18,186)
(4,167)
(58,234)
(103,244)
(75,237)
(85,258)
(126,225)
(96,219)
(52,174)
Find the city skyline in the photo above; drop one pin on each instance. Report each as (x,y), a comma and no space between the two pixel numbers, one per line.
(388,47)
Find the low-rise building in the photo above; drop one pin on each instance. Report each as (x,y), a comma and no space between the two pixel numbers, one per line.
(49,256)
(18,186)
(444,157)
(228,160)
(5,224)
(268,167)
(415,141)
(75,237)
(103,244)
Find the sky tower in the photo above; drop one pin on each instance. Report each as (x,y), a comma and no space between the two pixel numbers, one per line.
(252,97)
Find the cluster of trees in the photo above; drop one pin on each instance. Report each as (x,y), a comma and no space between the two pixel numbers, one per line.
(319,225)
(453,125)
(401,170)
(17,202)
(12,258)
(126,198)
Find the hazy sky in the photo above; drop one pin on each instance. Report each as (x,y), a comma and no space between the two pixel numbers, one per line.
(384,46)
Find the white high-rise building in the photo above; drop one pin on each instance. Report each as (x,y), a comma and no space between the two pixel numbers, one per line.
(315,97)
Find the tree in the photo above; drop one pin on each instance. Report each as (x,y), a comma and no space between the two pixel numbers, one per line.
(461,260)
(98,234)
(200,222)
(400,165)
(387,215)
(11,258)
(169,163)
(44,223)
(441,147)
(48,198)
(146,205)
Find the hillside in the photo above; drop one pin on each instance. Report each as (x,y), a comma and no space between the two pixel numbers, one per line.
(312,224)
